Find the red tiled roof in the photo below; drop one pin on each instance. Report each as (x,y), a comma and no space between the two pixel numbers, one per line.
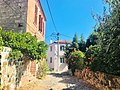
(64,41)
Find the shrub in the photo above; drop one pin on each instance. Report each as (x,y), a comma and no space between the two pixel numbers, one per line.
(76,61)
(91,53)
(1,41)
(42,69)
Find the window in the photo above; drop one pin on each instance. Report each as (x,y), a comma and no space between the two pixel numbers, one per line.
(36,12)
(62,60)
(50,48)
(61,48)
(20,24)
(50,59)
(43,29)
(40,23)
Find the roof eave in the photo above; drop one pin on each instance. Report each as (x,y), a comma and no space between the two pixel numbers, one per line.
(42,10)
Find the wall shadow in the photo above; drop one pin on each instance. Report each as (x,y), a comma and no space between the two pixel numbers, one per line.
(73,83)
(59,74)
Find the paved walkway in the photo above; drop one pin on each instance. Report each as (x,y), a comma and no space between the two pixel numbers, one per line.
(57,81)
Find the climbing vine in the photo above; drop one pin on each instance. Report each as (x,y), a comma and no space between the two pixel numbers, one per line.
(24,43)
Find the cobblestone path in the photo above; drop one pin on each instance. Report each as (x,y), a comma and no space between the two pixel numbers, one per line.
(57,81)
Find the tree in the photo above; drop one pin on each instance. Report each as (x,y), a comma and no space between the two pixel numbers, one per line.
(108,58)
(82,45)
(67,51)
(75,45)
(92,39)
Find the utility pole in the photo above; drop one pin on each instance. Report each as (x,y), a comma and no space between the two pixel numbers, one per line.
(58,37)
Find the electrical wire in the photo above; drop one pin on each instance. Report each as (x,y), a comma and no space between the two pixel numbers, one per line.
(53,20)
(51,15)
(66,35)
(53,34)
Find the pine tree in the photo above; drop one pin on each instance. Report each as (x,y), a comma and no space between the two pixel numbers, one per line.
(82,45)
(75,45)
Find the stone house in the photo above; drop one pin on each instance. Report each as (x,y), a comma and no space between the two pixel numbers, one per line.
(55,56)
(23,16)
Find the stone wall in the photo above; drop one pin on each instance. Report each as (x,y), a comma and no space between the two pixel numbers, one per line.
(98,79)
(8,77)
(29,70)
(29,67)
(17,73)
(13,15)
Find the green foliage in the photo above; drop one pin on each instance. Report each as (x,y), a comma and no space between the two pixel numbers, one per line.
(42,49)
(1,48)
(103,44)
(68,50)
(82,45)
(75,38)
(74,54)
(76,61)
(1,41)
(92,39)
(42,69)
(108,58)
(24,42)
(75,45)
(91,53)
(112,1)
(15,55)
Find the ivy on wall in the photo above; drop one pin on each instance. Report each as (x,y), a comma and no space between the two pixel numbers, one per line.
(24,43)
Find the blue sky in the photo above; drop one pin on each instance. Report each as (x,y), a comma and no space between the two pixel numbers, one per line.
(70,17)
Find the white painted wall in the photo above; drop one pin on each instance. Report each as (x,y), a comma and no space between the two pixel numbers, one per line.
(56,65)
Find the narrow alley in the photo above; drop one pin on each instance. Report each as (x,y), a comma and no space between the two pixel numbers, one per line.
(57,81)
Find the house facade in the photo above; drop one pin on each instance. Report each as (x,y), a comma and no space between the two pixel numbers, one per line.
(55,56)
(23,16)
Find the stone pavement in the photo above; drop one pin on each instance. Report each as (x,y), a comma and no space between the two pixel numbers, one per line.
(57,81)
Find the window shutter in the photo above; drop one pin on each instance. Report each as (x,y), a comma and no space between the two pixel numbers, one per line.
(43,29)
(36,12)
(40,23)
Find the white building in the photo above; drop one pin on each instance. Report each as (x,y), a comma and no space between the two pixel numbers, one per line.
(55,56)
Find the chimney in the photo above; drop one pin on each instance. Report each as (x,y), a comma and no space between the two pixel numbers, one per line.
(50,40)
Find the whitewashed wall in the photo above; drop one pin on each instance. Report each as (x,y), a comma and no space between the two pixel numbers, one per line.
(56,65)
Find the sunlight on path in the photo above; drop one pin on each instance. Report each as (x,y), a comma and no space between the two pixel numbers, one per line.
(57,81)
